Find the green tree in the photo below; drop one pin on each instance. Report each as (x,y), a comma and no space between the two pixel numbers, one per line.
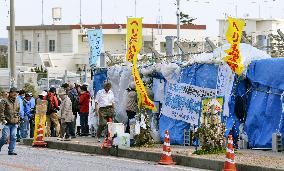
(186,19)
(30,88)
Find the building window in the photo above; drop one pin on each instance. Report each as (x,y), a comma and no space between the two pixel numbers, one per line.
(37,46)
(16,45)
(30,46)
(51,45)
(26,45)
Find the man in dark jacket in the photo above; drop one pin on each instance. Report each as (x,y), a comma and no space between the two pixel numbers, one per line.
(10,117)
(84,110)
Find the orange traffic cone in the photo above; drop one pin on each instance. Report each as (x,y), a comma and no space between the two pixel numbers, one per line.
(230,156)
(39,139)
(166,158)
(108,140)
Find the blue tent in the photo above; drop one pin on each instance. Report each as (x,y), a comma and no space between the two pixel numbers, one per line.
(202,75)
(265,107)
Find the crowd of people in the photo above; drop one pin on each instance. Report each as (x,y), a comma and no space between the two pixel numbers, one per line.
(18,109)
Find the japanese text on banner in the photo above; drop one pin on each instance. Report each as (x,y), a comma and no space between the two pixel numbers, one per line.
(134,44)
(234,36)
(95,38)
(134,38)
(183,102)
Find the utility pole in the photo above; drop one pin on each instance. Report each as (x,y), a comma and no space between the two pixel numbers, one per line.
(178,24)
(236,8)
(259,9)
(101,11)
(12,45)
(42,22)
(85,76)
(80,12)
(135,7)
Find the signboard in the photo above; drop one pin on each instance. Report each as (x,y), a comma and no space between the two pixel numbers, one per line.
(183,102)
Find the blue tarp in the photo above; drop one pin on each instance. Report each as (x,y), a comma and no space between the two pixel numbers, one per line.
(265,109)
(100,75)
(175,128)
(202,75)
(233,122)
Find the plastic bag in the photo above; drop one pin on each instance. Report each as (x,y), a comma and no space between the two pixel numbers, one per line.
(1,129)
(137,128)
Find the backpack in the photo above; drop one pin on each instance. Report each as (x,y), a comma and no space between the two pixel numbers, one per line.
(50,108)
(75,102)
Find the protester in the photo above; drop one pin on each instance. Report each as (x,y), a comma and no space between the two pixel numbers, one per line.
(78,89)
(74,97)
(66,116)
(10,117)
(51,113)
(104,106)
(32,117)
(132,104)
(20,99)
(25,114)
(84,110)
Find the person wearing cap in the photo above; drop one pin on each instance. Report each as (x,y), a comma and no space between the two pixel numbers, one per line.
(74,97)
(32,118)
(25,114)
(104,106)
(132,104)
(10,117)
(51,113)
(20,99)
(66,115)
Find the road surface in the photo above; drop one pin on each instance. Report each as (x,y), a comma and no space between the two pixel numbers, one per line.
(40,159)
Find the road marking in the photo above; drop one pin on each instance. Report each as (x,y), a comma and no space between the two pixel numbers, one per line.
(19,167)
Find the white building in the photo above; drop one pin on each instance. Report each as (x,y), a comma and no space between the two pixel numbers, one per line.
(67,46)
(254,27)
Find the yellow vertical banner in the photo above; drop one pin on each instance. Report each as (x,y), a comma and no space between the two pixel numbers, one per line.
(234,36)
(134,44)
(134,38)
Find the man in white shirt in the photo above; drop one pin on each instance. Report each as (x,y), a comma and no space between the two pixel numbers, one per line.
(104,105)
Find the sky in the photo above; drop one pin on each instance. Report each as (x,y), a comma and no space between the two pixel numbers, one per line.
(28,12)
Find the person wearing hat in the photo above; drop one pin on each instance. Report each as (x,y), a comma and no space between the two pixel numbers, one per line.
(32,117)
(66,115)
(25,114)
(10,117)
(132,104)
(20,99)
(51,113)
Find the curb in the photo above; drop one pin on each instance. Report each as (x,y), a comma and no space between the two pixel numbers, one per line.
(149,156)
